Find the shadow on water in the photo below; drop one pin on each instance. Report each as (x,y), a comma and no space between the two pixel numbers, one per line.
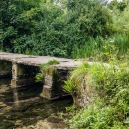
(24,106)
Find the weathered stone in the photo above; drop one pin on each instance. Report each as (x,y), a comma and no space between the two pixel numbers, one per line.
(65,64)
(48,80)
(54,82)
(23,75)
(25,67)
(47,92)
(85,94)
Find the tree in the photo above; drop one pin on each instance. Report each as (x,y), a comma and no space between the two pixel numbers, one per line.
(16,20)
(44,28)
(121,6)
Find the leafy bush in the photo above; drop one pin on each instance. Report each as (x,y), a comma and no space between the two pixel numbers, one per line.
(43,28)
(111,107)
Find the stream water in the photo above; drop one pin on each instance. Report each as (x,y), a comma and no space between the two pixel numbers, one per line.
(23,106)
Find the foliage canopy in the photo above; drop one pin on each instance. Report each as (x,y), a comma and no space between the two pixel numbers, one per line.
(45,28)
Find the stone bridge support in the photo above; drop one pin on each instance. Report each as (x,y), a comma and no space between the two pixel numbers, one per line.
(5,68)
(23,75)
(53,83)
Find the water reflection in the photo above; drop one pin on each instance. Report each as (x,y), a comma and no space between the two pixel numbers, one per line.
(23,106)
(15,96)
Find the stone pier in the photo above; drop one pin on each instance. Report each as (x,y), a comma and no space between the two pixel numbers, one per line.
(23,75)
(53,83)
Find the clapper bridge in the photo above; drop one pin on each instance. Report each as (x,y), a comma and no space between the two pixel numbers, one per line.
(23,69)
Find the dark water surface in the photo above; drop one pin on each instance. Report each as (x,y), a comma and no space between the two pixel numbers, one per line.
(23,106)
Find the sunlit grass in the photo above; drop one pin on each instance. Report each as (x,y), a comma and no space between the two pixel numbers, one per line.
(103,48)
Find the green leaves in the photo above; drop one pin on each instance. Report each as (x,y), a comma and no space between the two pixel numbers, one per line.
(110,108)
(39,77)
(51,62)
(70,87)
(43,67)
(43,28)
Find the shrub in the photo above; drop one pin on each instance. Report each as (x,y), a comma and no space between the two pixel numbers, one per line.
(110,106)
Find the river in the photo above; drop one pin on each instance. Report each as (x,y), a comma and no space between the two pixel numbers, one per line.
(23,108)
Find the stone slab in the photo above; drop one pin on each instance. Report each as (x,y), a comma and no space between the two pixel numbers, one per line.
(38,60)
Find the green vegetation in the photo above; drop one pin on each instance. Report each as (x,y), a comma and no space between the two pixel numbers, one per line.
(51,62)
(109,90)
(44,28)
(61,28)
(94,30)
(104,49)
(44,67)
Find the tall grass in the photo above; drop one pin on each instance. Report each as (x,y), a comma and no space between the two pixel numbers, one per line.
(89,49)
(117,44)
(122,42)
